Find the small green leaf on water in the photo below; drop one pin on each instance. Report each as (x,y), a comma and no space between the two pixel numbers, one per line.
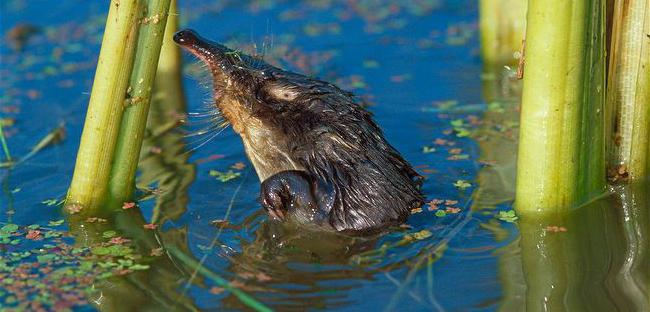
(107,265)
(11,300)
(56,223)
(418,235)
(9,228)
(428,149)
(457,123)
(34,227)
(440,213)
(358,84)
(100,250)
(52,202)
(224,176)
(5,267)
(462,184)
(460,128)
(51,234)
(445,105)
(109,234)
(508,216)
(370,64)
(495,107)
(46,258)
(137,267)
(104,275)
(85,265)
(16,190)
(119,250)
(77,250)
(422,234)
(462,132)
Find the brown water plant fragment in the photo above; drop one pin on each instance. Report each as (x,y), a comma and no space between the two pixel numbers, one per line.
(618,174)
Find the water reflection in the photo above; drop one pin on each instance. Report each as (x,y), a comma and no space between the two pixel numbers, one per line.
(595,259)
(290,268)
(155,288)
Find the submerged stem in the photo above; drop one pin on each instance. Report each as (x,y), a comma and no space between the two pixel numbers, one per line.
(244,297)
(3,141)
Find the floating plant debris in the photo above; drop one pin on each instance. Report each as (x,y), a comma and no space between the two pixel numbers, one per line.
(224,176)
(507,216)
(42,269)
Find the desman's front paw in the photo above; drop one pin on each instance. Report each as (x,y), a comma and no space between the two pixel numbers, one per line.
(274,205)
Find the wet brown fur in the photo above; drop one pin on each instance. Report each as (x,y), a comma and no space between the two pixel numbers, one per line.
(289,121)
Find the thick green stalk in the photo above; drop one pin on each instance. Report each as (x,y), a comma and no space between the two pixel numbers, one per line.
(560,96)
(170,169)
(170,86)
(591,170)
(127,152)
(95,156)
(629,89)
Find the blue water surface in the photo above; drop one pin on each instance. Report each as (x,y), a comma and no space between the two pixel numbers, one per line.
(400,57)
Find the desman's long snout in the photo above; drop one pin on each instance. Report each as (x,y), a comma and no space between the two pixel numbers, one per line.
(186,37)
(217,56)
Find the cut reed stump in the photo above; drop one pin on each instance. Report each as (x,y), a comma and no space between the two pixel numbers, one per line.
(628,92)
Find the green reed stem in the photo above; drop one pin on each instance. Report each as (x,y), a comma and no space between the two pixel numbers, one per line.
(591,181)
(95,156)
(502,25)
(561,114)
(5,147)
(220,281)
(629,89)
(170,85)
(171,169)
(134,121)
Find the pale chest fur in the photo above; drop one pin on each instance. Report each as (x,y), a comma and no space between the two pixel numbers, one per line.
(264,148)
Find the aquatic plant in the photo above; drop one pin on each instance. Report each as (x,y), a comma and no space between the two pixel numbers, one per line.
(98,140)
(134,120)
(3,142)
(557,251)
(628,92)
(573,134)
(164,159)
(119,102)
(561,145)
(502,24)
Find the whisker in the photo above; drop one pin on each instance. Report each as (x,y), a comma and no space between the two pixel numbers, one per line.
(206,141)
(206,113)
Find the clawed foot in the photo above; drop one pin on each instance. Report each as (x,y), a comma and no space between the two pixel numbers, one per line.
(289,193)
(273,204)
